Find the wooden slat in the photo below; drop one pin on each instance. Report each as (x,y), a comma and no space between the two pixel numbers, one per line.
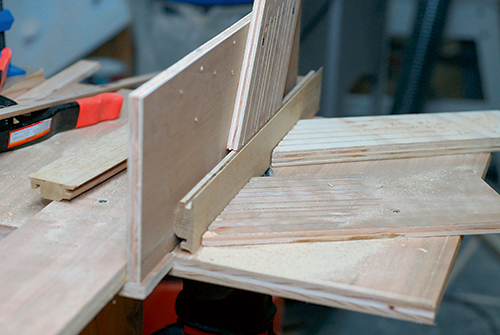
(357,206)
(83,168)
(73,74)
(207,199)
(400,278)
(179,127)
(265,67)
(62,267)
(382,137)
(15,86)
(55,99)
(18,202)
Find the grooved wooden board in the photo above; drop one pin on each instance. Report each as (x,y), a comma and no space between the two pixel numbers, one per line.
(83,168)
(381,137)
(179,127)
(401,278)
(357,206)
(265,67)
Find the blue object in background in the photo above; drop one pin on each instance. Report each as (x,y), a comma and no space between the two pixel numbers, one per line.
(216,2)
(6,20)
(14,71)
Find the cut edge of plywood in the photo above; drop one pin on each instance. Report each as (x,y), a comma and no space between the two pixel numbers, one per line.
(333,294)
(210,196)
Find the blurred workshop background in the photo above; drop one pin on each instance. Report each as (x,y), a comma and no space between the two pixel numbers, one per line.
(380,57)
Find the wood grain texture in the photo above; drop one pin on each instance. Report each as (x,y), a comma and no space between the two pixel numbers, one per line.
(265,67)
(179,127)
(83,168)
(86,91)
(401,278)
(383,137)
(62,266)
(209,197)
(357,206)
(73,74)
(18,202)
(15,86)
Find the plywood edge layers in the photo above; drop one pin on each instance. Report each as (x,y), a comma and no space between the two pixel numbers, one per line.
(209,197)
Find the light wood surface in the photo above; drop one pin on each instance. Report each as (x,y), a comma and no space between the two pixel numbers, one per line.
(179,126)
(382,137)
(86,91)
(357,206)
(401,277)
(73,74)
(265,66)
(207,199)
(83,168)
(63,265)
(15,86)
(18,202)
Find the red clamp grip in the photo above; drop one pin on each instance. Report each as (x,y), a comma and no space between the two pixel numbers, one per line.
(5,57)
(102,107)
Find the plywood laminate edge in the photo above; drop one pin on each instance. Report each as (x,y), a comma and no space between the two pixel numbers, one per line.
(187,266)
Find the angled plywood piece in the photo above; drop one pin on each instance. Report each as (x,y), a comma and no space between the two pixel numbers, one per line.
(207,199)
(357,206)
(15,86)
(401,278)
(265,66)
(73,74)
(381,137)
(179,126)
(83,92)
(84,168)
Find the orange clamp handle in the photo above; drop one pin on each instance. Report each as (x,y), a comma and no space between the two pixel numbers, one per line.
(102,107)
(5,57)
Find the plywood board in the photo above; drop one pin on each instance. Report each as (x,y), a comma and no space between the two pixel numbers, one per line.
(382,137)
(357,206)
(73,74)
(15,86)
(179,127)
(401,278)
(265,66)
(62,266)
(207,199)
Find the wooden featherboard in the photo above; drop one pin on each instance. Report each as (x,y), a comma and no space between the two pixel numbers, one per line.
(205,201)
(357,206)
(401,278)
(265,67)
(381,137)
